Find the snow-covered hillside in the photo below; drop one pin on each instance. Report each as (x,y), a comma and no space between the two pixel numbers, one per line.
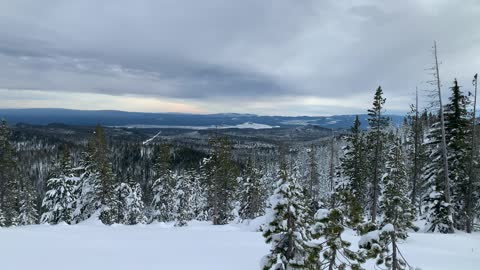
(199,246)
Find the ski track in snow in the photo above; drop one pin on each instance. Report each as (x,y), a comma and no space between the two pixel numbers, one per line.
(151,139)
(200,246)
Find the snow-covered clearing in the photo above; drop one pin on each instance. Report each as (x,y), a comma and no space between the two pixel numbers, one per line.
(245,125)
(199,246)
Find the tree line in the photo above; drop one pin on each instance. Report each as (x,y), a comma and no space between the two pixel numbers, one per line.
(389,180)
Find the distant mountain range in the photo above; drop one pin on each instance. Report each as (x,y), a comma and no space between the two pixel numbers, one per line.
(176,120)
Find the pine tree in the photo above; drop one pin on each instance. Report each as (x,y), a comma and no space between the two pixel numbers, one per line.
(313,181)
(435,206)
(351,180)
(163,188)
(2,219)
(328,249)
(416,152)
(457,124)
(86,191)
(28,209)
(199,194)
(377,123)
(344,197)
(286,226)
(395,205)
(106,177)
(423,153)
(134,207)
(397,213)
(96,191)
(59,199)
(221,181)
(9,178)
(183,200)
(5,158)
(122,191)
(381,244)
(251,193)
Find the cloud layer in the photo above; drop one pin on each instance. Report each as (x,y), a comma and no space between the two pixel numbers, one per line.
(269,57)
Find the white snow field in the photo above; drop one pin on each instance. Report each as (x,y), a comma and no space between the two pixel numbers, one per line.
(199,246)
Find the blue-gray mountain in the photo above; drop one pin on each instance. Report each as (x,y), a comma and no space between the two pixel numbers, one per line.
(194,121)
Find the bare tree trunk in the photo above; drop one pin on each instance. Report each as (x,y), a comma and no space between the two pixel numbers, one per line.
(444,141)
(332,167)
(331,263)
(375,171)
(394,252)
(469,202)
(416,140)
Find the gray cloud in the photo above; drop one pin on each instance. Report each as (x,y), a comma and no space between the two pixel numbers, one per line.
(224,53)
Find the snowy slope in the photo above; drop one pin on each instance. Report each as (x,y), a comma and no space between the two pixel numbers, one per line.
(200,246)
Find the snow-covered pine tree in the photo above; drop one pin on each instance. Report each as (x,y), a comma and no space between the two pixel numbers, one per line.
(9,178)
(59,198)
(221,181)
(106,177)
(199,194)
(416,151)
(397,213)
(86,191)
(457,125)
(328,250)
(11,203)
(251,192)
(395,205)
(28,208)
(351,180)
(312,193)
(426,122)
(164,187)
(375,244)
(2,219)
(96,186)
(286,228)
(134,207)
(377,123)
(183,200)
(122,191)
(435,208)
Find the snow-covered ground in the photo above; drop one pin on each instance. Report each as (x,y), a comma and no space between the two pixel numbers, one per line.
(199,246)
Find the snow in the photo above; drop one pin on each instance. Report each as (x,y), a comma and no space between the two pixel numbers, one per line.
(321,214)
(388,228)
(372,236)
(201,246)
(442,251)
(239,126)
(251,125)
(151,139)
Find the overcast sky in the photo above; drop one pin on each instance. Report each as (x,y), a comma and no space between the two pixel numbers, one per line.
(273,57)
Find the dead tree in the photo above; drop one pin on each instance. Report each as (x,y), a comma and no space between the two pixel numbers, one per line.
(472,176)
(444,140)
